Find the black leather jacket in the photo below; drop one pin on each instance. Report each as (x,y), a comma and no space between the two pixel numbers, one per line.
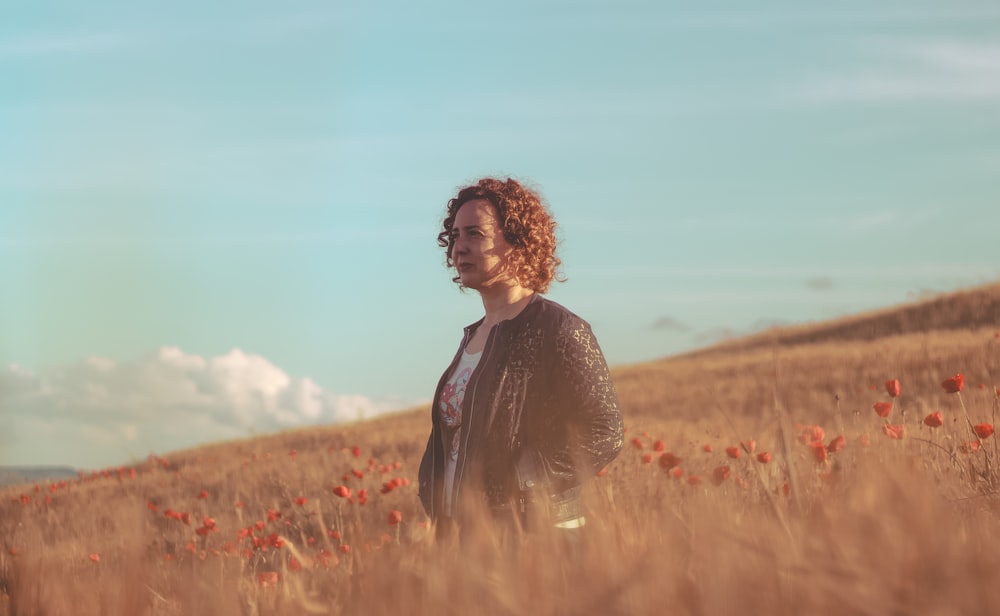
(540,415)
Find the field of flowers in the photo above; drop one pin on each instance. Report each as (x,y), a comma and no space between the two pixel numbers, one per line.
(847,478)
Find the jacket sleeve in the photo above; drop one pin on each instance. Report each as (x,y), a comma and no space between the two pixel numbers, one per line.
(589,406)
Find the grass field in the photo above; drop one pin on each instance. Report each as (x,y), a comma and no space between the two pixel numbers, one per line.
(757,478)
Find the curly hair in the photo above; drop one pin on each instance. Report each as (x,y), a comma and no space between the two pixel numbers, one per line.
(527,226)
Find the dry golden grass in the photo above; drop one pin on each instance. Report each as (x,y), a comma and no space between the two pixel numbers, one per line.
(892,527)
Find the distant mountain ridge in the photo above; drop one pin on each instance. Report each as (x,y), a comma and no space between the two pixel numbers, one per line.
(11,475)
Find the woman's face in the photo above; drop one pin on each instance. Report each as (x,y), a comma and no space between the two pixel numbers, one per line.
(480,250)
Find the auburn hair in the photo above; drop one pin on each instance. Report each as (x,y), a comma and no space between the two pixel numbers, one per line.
(527,226)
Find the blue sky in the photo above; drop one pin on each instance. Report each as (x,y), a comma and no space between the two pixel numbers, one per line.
(219,220)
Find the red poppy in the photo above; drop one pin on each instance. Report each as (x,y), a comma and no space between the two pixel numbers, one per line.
(896,431)
(301,501)
(356,451)
(602,472)
(669,460)
(344,548)
(750,445)
(203,494)
(720,474)
(357,473)
(342,491)
(819,451)
(659,446)
(294,564)
(637,442)
(764,457)
(694,480)
(733,452)
(707,448)
(892,387)
(811,434)
(837,444)
(972,447)
(268,578)
(362,496)
(983,430)
(934,420)
(647,459)
(954,384)
(882,409)
(395,517)
(95,557)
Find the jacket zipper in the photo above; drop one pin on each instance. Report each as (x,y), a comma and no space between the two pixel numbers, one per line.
(467,416)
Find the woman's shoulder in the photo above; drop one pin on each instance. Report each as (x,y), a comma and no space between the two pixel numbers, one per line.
(551,312)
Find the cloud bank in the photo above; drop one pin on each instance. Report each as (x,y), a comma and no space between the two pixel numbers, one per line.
(99,412)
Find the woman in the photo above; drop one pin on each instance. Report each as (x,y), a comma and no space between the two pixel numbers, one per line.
(527,409)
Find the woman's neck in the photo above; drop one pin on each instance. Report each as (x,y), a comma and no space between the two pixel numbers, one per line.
(504,303)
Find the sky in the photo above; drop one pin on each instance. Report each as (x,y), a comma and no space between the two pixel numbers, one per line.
(219,220)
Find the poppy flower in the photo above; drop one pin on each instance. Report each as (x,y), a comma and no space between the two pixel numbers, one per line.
(647,459)
(395,517)
(954,384)
(659,446)
(811,434)
(203,494)
(764,457)
(268,578)
(694,480)
(344,548)
(750,445)
(983,430)
(637,442)
(971,447)
(895,431)
(882,409)
(819,451)
(934,420)
(294,564)
(342,491)
(837,444)
(720,474)
(602,472)
(301,501)
(733,452)
(668,460)
(362,496)
(707,448)
(95,557)
(356,451)
(892,387)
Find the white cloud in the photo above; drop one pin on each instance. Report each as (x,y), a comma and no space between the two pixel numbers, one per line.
(163,401)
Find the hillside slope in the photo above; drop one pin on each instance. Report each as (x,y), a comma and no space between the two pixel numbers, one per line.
(964,310)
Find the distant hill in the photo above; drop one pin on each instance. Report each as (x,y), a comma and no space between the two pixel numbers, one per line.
(10,475)
(965,310)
